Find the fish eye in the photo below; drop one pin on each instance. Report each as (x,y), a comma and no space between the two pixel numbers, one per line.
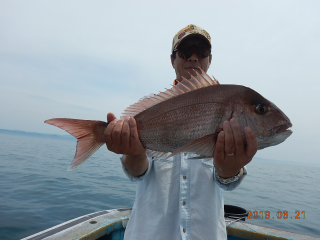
(261,109)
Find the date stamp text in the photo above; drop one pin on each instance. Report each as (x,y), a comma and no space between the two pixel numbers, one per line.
(278,215)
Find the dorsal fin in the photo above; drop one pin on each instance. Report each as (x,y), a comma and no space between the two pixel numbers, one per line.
(186,85)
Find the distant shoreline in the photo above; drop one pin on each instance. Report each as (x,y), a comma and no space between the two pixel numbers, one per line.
(35,134)
(69,137)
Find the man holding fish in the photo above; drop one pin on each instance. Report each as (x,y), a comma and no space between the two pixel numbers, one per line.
(181,197)
(184,145)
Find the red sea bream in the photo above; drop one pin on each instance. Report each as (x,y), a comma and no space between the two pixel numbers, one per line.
(187,118)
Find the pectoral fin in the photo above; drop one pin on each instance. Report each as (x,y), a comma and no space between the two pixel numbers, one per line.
(203,146)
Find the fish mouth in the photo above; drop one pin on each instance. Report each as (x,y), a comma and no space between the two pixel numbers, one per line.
(282,128)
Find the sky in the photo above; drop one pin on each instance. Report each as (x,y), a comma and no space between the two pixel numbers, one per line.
(83,59)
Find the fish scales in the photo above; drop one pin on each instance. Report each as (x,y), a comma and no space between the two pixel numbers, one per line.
(174,123)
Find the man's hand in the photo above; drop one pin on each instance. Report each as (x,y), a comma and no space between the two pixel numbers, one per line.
(230,154)
(122,138)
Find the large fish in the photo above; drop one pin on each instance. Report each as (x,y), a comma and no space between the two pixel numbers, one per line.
(187,118)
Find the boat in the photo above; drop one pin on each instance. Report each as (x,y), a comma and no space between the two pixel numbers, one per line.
(111,224)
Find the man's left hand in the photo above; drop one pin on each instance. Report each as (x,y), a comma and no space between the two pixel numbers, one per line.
(231,154)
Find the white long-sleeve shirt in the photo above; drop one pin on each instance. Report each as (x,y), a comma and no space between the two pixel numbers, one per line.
(178,199)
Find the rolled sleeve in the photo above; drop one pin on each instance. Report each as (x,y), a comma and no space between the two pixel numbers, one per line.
(233,185)
(133,178)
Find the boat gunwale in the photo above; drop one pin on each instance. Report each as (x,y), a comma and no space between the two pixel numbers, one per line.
(50,232)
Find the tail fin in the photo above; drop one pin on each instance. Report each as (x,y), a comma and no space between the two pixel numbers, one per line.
(89,134)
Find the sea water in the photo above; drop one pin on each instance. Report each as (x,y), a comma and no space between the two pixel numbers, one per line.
(37,192)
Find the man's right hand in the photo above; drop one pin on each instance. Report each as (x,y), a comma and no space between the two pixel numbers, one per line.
(122,138)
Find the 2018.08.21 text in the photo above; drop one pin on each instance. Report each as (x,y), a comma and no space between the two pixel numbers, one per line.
(279,215)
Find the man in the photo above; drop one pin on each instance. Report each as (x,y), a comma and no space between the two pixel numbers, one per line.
(179,198)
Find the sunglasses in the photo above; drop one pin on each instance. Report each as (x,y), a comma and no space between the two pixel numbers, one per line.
(187,52)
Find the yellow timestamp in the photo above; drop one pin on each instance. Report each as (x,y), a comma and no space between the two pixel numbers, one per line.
(279,215)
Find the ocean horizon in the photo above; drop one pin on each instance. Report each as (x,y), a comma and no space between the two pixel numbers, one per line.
(70,137)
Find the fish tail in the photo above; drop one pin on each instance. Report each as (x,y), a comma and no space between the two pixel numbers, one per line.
(88,133)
